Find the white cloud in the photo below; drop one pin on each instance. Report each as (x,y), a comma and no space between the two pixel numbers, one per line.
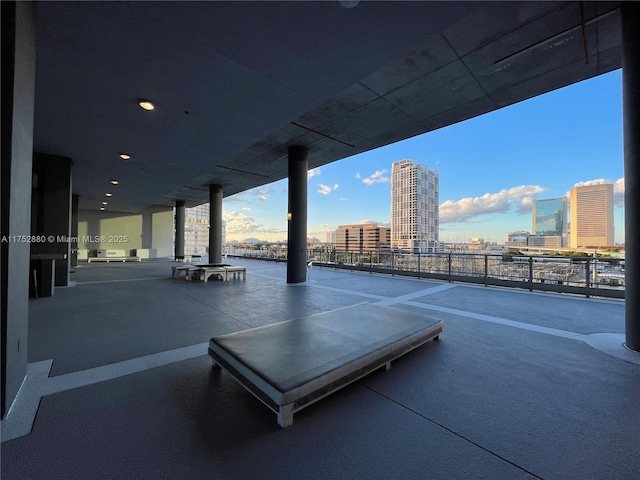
(313,173)
(467,208)
(326,189)
(358,176)
(618,192)
(588,183)
(239,223)
(261,193)
(380,224)
(343,199)
(376,177)
(247,209)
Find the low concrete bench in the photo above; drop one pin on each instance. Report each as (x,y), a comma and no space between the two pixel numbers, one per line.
(223,271)
(203,273)
(236,270)
(182,269)
(289,365)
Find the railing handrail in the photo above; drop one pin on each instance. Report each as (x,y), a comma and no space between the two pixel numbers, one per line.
(583,275)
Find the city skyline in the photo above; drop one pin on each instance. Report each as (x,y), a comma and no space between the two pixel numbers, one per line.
(491,167)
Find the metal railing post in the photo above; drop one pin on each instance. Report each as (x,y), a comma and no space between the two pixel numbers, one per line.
(587,271)
(530,273)
(486,269)
(449,267)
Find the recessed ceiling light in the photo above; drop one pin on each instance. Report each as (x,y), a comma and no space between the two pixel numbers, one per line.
(114,182)
(108,194)
(125,156)
(104,203)
(146,104)
(101,208)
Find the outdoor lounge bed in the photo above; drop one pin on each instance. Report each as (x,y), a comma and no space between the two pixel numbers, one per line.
(291,364)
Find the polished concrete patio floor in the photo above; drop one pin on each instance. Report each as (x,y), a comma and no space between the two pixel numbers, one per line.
(521,385)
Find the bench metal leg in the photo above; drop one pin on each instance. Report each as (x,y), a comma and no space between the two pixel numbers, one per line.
(285,415)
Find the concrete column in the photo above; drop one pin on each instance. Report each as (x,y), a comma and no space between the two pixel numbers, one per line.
(52,211)
(75,199)
(297,215)
(179,226)
(147,229)
(215,223)
(631,134)
(18,86)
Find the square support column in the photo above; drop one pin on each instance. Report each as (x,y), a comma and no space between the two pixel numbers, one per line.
(18,87)
(297,215)
(179,227)
(215,223)
(631,134)
(51,211)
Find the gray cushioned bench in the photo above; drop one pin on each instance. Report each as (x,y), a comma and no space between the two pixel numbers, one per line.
(291,364)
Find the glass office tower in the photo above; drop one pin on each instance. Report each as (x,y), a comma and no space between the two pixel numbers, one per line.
(550,220)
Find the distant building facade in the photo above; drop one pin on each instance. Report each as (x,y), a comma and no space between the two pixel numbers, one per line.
(196,230)
(518,238)
(592,216)
(549,222)
(331,237)
(548,241)
(362,238)
(415,216)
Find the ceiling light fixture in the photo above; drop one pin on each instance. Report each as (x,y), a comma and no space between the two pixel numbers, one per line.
(114,182)
(125,156)
(108,194)
(101,208)
(146,104)
(104,203)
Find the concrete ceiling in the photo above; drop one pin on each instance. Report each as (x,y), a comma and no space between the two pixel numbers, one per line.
(236,83)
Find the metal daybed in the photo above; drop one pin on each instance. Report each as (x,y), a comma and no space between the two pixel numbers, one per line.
(291,364)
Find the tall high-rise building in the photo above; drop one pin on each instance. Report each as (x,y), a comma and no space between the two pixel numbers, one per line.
(415,217)
(549,222)
(196,230)
(592,216)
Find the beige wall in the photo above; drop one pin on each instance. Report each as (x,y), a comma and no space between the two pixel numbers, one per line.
(126,231)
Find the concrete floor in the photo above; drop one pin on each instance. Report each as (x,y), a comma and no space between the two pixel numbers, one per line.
(123,388)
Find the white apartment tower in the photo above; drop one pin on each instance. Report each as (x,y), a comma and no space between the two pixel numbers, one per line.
(415,217)
(592,216)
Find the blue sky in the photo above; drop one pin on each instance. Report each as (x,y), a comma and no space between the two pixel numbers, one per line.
(490,168)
